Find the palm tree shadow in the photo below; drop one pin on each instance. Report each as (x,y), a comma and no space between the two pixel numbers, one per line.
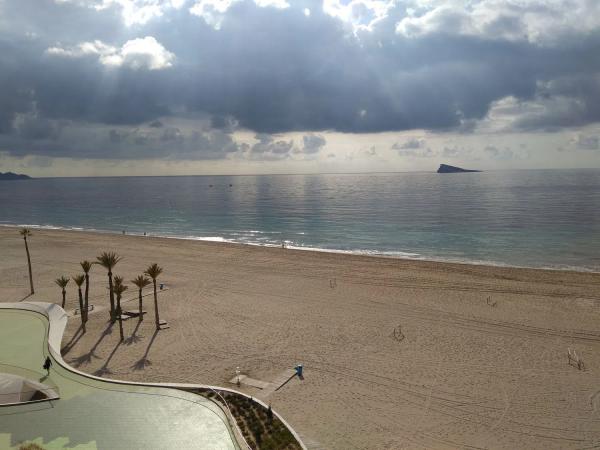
(134,338)
(26,297)
(143,362)
(86,358)
(104,370)
(69,345)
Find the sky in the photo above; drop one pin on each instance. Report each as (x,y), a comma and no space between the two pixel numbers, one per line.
(174,87)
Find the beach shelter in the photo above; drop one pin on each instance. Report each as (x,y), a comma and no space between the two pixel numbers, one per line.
(16,389)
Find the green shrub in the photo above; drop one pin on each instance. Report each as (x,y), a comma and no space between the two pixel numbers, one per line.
(30,446)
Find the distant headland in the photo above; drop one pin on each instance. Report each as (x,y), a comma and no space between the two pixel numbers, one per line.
(14,176)
(444,168)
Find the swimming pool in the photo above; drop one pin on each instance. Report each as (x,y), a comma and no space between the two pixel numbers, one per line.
(96,414)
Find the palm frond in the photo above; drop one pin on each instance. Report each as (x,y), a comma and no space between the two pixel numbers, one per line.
(153,271)
(78,279)
(120,288)
(86,266)
(117,281)
(141,281)
(108,260)
(62,282)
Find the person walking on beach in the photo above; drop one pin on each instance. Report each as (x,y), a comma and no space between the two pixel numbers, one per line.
(47,364)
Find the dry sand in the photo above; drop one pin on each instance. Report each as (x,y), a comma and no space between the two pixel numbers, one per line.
(466,374)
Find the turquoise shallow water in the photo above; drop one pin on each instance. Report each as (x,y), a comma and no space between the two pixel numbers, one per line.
(521,218)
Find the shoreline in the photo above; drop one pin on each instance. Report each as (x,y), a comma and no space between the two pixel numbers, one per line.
(394,255)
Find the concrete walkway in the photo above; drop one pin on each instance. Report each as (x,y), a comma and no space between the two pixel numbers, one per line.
(267,387)
(95,414)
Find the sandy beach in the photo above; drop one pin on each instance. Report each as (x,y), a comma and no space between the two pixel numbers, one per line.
(396,353)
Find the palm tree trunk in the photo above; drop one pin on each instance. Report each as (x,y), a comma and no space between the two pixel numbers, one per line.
(141,316)
(119,317)
(112,298)
(87,292)
(29,265)
(81,309)
(64,298)
(156,306)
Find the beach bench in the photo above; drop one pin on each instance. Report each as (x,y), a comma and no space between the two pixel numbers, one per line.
(78,311)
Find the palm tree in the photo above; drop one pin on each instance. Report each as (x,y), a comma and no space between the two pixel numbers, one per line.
(62,283)
(119,288)
(153,271)
(79,279)
(86,266)
(26,232)
(109,260)
(141,282)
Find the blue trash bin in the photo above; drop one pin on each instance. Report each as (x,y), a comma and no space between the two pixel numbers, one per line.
(299,370)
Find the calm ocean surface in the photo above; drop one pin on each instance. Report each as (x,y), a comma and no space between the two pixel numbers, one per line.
(519,218)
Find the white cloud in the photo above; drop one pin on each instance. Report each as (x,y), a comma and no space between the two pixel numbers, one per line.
(141,53)
(133,12)
(85,48)
(444,18)
(279,4)
(361,15)
(139,12)
(213,11)
(538,21)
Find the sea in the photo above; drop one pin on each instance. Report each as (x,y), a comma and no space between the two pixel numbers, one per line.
(522,218)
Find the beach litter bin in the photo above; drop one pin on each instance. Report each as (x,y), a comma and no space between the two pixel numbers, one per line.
(162,285)
(299,370)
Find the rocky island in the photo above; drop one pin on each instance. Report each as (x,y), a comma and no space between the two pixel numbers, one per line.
(444,168)
(13,176)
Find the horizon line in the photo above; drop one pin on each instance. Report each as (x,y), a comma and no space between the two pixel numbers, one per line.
(295,174)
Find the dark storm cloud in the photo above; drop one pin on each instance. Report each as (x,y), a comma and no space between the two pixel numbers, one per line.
(271,71)
(411,144)
(500,153)
(415,148)
(268,148)
(227,124)
(171,134)
(567,101)
(32,127)
(312,143)
(115,136)
(583,142)
(155,124)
